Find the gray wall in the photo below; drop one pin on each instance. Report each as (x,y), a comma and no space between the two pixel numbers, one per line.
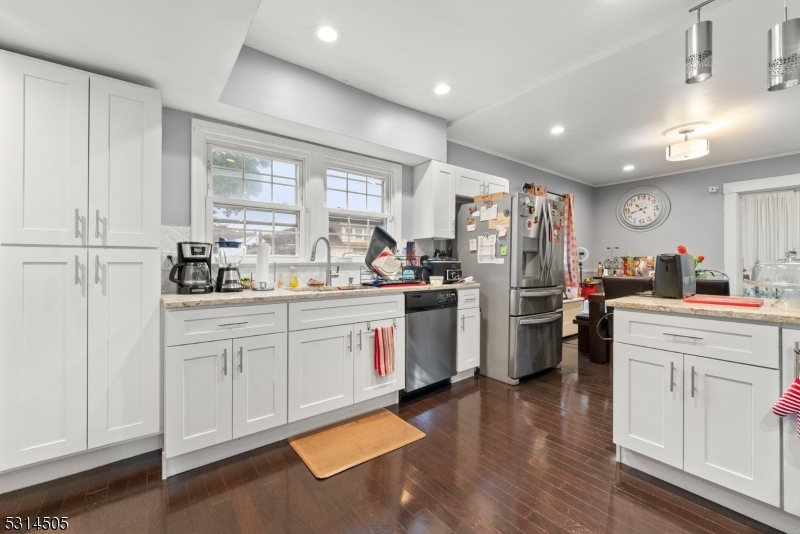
(696,219)
(519,174)
(263,83)
(176,171)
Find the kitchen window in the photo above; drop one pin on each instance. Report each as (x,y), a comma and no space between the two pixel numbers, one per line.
(258,188)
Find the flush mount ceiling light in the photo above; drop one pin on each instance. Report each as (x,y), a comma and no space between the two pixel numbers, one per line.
(628,168)
(442,89)
(557,130)
(698,48)
(783,44)
(328,33)
(688,148)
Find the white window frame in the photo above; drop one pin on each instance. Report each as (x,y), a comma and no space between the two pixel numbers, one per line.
(313,221)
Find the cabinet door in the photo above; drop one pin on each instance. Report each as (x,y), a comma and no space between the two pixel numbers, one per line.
(260,379)
(732,438)
(44,150)
(198,396)
(43,356)
(367,383)
(791,441)
(124,358)
(469,183)
(495,184)
(469,339)
(320,371)
(444,202)
(124,164)
(648,402)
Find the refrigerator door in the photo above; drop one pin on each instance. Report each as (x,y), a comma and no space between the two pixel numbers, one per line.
(535,343)
(537,242)
(532,301)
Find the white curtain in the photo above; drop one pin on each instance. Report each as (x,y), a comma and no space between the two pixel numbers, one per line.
(769,226)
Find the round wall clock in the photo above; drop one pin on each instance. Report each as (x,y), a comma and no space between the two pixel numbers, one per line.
(643,209)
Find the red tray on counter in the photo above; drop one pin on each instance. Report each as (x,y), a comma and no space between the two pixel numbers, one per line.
(721,300)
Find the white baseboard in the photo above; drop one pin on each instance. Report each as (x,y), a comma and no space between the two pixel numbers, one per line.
(31,475)
(191,460)
(463,375)
(769,515)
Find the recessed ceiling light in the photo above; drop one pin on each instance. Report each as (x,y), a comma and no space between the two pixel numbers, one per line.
(557,130)
(328,34)
(628,168)
(442,89)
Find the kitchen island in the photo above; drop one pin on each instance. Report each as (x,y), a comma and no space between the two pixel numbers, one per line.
(242,370)
(693,390)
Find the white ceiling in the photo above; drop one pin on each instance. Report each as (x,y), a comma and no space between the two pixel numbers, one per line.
(610,71)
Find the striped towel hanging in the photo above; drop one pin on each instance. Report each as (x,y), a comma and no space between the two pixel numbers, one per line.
(789,402)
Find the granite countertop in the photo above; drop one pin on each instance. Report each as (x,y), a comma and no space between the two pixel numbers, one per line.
(283,295)
(765,313)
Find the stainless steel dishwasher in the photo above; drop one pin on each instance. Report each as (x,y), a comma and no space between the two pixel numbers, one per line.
(431,330)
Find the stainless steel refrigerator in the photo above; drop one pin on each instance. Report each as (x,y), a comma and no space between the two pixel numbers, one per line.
(521,281)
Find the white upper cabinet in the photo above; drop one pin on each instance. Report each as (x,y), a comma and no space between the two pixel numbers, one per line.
(44,146)
(124,164)
(791,441)
(648,402)
(434,201)
(495,184)
(43,355)
(367,383)
(469,183)
(124,354)
(732,438)
(260,380)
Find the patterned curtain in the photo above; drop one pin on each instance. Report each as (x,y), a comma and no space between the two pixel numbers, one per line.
(571,276)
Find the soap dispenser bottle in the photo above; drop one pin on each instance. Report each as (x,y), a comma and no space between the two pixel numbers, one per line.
(294,281)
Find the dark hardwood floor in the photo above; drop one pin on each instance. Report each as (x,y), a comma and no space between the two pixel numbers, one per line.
(532,458)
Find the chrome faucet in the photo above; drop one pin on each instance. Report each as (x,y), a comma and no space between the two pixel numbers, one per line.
(328,273)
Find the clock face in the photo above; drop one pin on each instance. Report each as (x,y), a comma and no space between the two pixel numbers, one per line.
(643,209)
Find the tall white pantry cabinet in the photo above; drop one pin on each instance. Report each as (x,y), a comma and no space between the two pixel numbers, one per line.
(79,236)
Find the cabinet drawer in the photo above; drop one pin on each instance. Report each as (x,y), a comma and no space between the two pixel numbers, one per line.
(752,344)
(339,311)
(468,298)
(211,324)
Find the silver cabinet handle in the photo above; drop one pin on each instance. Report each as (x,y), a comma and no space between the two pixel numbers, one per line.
(77,222)
(359,340)
(233,324)
(470,300)
(693,381)
(545,293)
(225,362)
(97,269)
(681,335)
(548,319)
(77,269)
(797,359)
(241,360)
(97,223)
(671,377)
(462,322)
(350,342)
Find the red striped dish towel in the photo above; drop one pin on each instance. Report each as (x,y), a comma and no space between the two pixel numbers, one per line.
(384,350)
(789,402)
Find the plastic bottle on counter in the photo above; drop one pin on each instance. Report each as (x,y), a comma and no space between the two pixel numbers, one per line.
(280,281)
(294,281)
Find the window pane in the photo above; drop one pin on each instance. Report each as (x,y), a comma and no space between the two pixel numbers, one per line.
(285,181)
(375,204)
(252,239)
(228,212)
(357,202)
(373,189)
(257,191)
(332,172)
(225,158)
(286,218)
(357,177)
(258,177)
(226,187)
(337,199)
(284,194)
(285,243)
(283,168)
(256,164)
(229,234)
(358,187)
(261,216)
(337,183)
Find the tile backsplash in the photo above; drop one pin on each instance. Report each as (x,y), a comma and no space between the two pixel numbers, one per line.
(171,235)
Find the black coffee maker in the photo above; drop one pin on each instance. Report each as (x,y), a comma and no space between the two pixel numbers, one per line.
(192,273)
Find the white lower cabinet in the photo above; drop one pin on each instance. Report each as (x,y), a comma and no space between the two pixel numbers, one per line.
(648,402)
(732,437)
(198,396)
(366,382)
(320,370)
(259,383)
(791,441)
(469,339)
(43,321)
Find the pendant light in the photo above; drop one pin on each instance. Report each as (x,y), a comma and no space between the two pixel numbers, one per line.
(688,148)
(783,45)
(699,48)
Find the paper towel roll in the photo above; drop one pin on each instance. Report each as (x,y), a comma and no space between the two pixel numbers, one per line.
(262,263)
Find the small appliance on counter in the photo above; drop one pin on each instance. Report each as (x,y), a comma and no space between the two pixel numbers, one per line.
(192,273)
(674,276)
(231,254)
(441,265)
